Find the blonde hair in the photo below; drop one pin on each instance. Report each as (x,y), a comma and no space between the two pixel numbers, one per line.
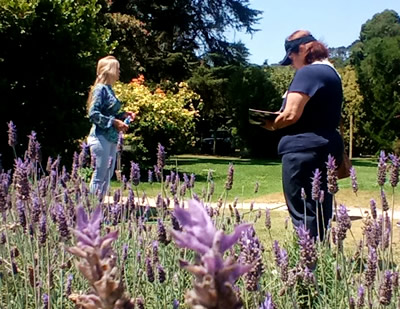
(106,73)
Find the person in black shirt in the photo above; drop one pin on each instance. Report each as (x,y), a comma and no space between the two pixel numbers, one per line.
(309,116)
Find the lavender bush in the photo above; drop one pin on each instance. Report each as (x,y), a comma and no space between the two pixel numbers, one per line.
(61,247)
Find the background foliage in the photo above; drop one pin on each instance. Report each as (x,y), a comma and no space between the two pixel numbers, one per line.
(52,47)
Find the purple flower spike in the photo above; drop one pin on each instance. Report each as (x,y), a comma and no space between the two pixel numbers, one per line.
(344,224)
(268,303)
(135,173)
(373,208)
(214,275)
(361,297)
(385,204)
(372,263)
(175,304)
(316,185)
(332,175)
(382,165)
(229,178)
(394,170)
(160,157)
(12,134)
(45,299)
(385,289)
(353,177)
(308,254)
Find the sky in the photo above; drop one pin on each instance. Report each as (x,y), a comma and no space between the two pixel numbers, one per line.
(336,23)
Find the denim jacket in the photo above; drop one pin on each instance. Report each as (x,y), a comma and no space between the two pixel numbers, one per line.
(103,110)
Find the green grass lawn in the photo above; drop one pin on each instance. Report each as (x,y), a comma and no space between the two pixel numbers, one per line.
(268,174)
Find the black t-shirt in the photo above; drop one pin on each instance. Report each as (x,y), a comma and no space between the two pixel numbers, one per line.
(318,123)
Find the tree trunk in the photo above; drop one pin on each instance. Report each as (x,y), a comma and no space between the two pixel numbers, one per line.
(351,138)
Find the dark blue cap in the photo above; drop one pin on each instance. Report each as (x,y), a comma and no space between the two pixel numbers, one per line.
(293,46)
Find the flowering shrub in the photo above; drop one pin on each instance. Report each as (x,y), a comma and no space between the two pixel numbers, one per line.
(166,117)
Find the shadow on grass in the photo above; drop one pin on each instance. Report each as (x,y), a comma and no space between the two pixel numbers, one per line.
(190,160)
(364,162)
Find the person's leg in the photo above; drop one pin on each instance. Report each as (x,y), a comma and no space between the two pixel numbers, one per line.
(112,157)
(297,172)
(100,148)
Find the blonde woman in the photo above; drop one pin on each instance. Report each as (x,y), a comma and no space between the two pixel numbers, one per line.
(108,121)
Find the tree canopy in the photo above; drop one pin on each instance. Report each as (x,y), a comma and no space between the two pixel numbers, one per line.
(377,62)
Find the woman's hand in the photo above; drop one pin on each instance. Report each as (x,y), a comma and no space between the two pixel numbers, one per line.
(130,114)
(269,125)
(120,126)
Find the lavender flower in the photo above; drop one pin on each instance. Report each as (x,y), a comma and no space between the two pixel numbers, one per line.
(45,299)
(385,289)
(251,253)
(75,166)
(268,303)
(33,147)
(21,214)
(175,304)
(308,254)
(97,264)
(229,178)
(353,177)
(382,169)
(331,175)
(192,180)
(361,297)
(21,179)
(316,185)
(150,176)
(372,263)
(161,273)
(68,288)
(281,260)
(12,134)
(135,173)
(321,196)
(43,229)
(160,157)
(385,204)
(344,224)
(373,208)
(215,276)
(62,222)
(303,194)
(256,187)
(161,232)
(149,270)
(83,154)
(394,170)
(267,219)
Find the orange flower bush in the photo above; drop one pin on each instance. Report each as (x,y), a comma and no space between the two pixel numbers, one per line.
(165,116)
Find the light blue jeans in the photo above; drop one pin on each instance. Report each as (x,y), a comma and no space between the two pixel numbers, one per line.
(105,153)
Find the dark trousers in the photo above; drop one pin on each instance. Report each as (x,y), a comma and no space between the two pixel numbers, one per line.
(297,173)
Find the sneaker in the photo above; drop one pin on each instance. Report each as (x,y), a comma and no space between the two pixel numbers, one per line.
(398,224)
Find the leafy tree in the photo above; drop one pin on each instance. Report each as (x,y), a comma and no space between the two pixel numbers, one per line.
(340,56)
(180,30)
(47,63)
(353,110)
(377,62)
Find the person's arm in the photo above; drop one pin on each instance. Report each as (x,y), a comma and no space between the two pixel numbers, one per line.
(295,103)
(98,118)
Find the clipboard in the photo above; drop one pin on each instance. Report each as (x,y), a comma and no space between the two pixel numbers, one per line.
(258,117)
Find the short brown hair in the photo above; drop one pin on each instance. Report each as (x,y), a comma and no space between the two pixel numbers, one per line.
(316,50)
